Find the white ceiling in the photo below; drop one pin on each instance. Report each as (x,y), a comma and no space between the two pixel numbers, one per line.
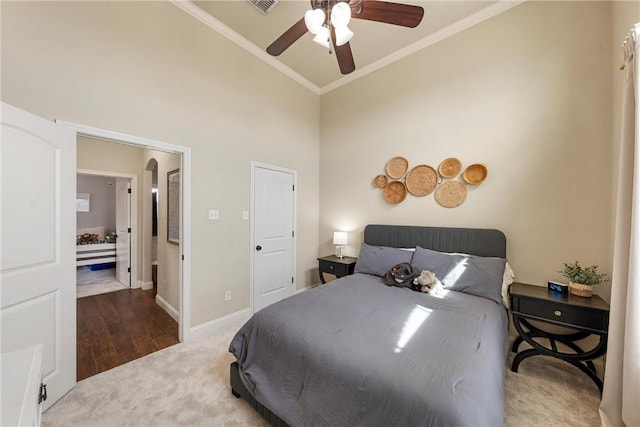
(373,45)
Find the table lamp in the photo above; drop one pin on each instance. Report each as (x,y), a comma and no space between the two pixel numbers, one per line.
(340,240)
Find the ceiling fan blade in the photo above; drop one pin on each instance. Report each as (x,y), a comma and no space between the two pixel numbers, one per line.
(343,55)
(405,15)
(287,38)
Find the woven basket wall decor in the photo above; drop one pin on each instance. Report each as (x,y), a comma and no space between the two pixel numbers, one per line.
(421,180)
(395,192)
(380,181)
(450,167)
(474,174)
(451,194)
(397,167)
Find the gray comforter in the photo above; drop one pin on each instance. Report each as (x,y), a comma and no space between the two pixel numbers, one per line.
(358,352)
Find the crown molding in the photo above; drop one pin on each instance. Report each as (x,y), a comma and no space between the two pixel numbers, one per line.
(455,28)
(202,16)
(446,32)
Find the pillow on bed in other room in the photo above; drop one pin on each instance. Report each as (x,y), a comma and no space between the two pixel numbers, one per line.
(475,275)
(377,260)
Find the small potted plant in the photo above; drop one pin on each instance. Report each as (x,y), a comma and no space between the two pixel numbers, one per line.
(582,279)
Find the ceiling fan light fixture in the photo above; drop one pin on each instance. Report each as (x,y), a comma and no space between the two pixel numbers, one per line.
(322,38)
(343,35)
(340,15)
(314,19)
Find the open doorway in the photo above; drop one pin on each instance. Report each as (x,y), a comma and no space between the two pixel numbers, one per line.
(152,170)
(119,326)
(103,233)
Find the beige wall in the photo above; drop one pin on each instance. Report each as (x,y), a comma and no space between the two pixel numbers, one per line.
(149,69)
(528,93)
(168,255)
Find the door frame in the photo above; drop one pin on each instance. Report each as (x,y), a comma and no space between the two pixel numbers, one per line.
(252,218)
(184,327)
(133,218)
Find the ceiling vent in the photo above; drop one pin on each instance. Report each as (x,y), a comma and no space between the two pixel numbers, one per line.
(264,6)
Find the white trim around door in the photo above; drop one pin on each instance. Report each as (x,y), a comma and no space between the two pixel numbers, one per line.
(185,195)
(133,217)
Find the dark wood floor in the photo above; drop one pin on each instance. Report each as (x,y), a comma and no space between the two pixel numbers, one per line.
(117,327)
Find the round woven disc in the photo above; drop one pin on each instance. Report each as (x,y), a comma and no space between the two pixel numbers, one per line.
(449,167)
(394,192)
(421,180)
(380,181)
(451,194)
(475,173)
(397,167)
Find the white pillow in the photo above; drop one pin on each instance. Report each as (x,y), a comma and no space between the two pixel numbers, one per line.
(507,280)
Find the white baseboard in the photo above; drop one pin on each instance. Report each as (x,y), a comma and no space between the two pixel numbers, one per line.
(168,308)
(208,328)
(306,288)
(146,285)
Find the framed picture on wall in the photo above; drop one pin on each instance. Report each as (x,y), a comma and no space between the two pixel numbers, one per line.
(83,201)
(173,206)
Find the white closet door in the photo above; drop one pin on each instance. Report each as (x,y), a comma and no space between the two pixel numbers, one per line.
(123,224)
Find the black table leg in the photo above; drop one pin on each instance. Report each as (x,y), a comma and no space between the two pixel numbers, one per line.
(321,277)
(580,359)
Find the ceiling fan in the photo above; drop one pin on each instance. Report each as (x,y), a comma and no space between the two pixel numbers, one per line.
(328,20)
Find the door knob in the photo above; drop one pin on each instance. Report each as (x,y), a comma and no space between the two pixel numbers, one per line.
(258,248)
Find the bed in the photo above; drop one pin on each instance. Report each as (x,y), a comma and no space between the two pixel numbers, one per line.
(93,250)
(357,352)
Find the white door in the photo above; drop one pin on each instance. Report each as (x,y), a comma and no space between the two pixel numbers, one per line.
(273,260)
(37,261)
(123,231)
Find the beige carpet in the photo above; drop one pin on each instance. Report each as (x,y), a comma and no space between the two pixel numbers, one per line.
(188,385)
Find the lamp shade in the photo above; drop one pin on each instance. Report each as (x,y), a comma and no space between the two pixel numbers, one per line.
(339,237)
(313,19)
(340,15)
(322,38)
(343,35)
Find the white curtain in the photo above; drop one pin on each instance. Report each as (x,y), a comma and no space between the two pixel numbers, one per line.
(621,395)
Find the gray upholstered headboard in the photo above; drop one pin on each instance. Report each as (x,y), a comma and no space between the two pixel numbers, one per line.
(474,241)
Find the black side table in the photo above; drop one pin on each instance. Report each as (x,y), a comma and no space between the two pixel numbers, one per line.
(587,316)
(339,267)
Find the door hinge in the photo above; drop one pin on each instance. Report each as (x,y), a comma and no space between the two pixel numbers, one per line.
(291,279)
(129,230)
(182,257)
(43,393)
(129,270)
(293,233)
(293,188)
(129,190)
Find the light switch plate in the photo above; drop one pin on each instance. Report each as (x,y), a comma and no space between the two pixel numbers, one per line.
(214,214)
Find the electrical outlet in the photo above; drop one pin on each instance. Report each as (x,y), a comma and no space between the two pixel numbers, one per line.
(245,215)
(227,296)
(214,214)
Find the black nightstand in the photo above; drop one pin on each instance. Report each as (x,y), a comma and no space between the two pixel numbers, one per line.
(587,316)
(337,266)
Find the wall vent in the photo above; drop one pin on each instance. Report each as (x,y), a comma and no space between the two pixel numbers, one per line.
(264,6)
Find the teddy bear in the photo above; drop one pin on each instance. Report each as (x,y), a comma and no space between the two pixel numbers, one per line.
(428,283)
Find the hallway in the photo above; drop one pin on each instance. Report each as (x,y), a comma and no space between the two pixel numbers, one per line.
(117,327)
